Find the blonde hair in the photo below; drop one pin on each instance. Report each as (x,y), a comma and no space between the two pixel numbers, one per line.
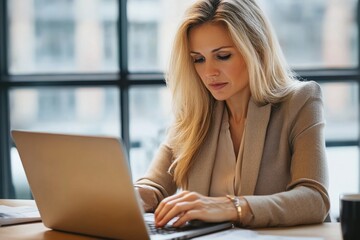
(270,78)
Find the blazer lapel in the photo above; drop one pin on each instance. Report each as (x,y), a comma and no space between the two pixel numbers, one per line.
(255,134)
(199,179)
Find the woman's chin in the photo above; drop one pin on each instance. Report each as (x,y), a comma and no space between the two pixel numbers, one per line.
(219,98)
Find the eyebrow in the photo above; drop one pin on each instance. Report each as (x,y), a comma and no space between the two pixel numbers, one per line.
(215,50)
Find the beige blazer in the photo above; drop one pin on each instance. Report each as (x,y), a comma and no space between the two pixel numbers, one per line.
(284,171)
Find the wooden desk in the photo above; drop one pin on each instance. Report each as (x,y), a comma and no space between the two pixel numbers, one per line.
(37,231)
(327,231)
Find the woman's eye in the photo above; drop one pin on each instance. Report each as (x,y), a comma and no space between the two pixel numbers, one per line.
(198,59)
(224,57)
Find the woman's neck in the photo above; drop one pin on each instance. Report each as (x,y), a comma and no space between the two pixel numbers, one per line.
(238,104)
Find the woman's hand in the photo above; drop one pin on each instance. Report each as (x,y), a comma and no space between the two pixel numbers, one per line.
(191,205)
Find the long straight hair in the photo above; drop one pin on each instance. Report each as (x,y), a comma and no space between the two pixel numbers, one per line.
(270,78)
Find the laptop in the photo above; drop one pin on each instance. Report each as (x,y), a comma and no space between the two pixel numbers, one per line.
(82,184)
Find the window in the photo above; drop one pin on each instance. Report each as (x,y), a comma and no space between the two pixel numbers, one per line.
(110,55)
(341,110)
(95,67)
(143,48)
(54,43)
(80,110)
(65,36)
(316,33)
(149,117)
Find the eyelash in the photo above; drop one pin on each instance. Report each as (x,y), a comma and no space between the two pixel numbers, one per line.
(220,57)
(224,57)
(199,60)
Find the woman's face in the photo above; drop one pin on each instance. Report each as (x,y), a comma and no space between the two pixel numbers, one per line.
(217,61)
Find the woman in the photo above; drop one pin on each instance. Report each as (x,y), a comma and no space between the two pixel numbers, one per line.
(247,142)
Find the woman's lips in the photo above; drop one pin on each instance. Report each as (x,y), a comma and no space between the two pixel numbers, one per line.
(217,86)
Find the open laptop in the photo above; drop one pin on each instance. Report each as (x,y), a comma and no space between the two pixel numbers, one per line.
(82,184)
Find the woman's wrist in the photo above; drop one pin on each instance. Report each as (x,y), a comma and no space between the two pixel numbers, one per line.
(241,208)
(236,204)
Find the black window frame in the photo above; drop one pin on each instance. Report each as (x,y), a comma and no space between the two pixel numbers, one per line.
(122,80)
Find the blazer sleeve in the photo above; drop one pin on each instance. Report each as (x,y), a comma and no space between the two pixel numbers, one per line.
(157,183)
(306,199)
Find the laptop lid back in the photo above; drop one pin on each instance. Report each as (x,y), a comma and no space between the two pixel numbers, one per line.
(81,184)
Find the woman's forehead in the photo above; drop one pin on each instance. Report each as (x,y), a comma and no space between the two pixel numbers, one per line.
(209,36)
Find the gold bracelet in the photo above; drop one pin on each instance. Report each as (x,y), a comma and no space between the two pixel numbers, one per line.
(236,201)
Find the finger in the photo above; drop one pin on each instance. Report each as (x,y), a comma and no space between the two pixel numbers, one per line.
(166,200)
(178,210)
(171,210)
(188,216)
(166,204)
(197,213)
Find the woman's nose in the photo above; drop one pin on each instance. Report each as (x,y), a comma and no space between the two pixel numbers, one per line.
(211,70)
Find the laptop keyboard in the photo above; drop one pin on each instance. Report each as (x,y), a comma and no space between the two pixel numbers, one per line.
(168,229)
(162,231)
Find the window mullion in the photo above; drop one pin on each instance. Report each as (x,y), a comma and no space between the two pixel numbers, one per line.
(358,80)
(124,72)
(6,186)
